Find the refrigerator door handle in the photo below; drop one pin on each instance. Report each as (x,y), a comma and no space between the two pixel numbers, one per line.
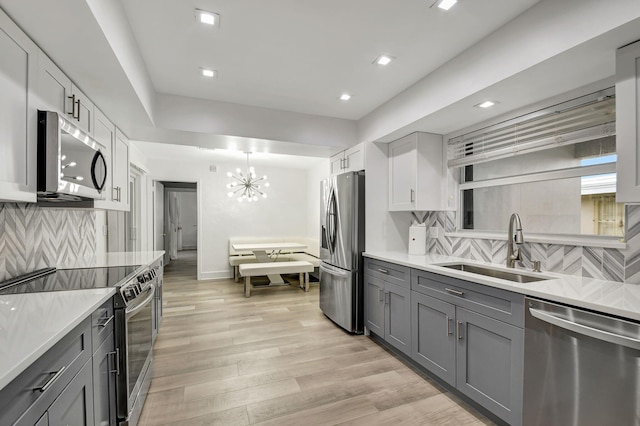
(333,271)
(332,220)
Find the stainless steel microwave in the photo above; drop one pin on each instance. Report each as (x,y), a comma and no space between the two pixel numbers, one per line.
(71,164)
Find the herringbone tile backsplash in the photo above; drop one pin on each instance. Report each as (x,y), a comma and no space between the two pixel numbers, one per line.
(594,262)
(33,237)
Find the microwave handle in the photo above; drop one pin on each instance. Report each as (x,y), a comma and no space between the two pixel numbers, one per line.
(98,159)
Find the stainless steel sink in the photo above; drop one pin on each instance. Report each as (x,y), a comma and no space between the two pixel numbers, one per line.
(495,273)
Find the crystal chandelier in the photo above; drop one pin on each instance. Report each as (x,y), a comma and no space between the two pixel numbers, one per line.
(247,186)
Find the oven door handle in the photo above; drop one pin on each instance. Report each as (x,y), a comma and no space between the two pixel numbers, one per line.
(596,333)
(134,310)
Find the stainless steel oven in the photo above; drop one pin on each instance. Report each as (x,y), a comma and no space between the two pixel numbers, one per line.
(134,338)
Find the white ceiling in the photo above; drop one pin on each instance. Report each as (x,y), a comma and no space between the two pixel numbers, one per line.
(301,55)
(283,63)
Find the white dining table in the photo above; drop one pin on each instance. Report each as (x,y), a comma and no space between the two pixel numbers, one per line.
(260,251)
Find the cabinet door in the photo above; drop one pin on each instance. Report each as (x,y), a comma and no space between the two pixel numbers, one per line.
(627,119)
(18,126)
(398,317)
(43,421)
(120,169)
(104,384)
(403,173)
(337,162)
(490,356)
(105,132)
(433,340)
(354,158)
(74,406)
(82,110)
(54,87)
(374,304)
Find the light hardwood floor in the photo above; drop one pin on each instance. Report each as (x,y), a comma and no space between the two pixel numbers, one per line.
(275,359)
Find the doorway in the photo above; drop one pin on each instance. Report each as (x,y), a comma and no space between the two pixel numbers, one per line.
(176,222)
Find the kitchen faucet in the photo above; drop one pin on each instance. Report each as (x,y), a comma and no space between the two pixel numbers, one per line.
(514,240)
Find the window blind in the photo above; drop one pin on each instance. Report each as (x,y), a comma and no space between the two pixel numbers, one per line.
(535,132)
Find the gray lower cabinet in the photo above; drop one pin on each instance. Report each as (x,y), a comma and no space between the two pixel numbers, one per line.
(70,384)
(387,304)
(489,358)
(433,340)
(470,336)
(397,320)
(74,406)
(374,304)
(104,383)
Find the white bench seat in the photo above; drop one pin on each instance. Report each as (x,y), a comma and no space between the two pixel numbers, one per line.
(248,270)
(238,260)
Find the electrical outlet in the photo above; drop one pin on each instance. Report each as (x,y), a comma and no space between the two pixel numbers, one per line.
(433,232)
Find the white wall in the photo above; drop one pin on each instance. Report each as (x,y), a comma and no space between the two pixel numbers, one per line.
(314,176)
(283,214)
(384,230)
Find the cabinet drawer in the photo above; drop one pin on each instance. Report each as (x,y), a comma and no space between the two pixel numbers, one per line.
(102,321)
(24,398)
(492,302)
(390,272)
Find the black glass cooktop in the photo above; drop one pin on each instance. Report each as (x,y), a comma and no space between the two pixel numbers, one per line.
(52,279)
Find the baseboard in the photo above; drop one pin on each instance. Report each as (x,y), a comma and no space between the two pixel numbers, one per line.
(215,275)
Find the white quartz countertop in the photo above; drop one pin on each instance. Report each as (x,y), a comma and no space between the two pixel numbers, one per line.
(113,259)
(32,323)
(599,295)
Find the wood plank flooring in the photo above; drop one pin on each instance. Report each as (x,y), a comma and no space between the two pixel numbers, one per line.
(275,359)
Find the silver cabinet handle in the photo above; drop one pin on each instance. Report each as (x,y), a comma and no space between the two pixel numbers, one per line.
(459,329)
(452,291)
(51,380)
(116,358)
(448,325)
(380,295)
(596,333)
(105,323)
(73,106)
(346,163)
(78,118)
(412,195)
(386,297)
(384,271)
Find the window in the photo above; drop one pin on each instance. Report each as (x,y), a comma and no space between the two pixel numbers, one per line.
(556,168)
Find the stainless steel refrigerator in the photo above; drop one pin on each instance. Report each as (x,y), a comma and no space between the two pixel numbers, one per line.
(341,247)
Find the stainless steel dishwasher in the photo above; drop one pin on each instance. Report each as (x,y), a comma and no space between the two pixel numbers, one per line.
(581,368)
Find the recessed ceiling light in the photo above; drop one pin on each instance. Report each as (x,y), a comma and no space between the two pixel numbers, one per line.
(383,60)
(345,97)
(207,18)
(486,104)
(447,4)
(209,73)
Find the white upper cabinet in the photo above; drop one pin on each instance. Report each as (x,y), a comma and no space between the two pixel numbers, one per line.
(117,155)
(81,109)
(56,92)
(120,170)
(18,120)
(627,121)
(54,87)
(416,173)
(350,160)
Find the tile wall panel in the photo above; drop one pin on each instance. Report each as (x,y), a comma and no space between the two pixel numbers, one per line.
(594,262)
(32,237)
